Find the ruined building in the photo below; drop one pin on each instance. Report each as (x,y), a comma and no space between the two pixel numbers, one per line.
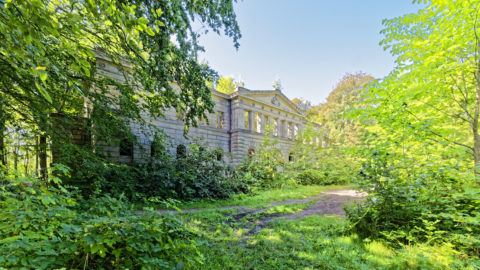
(237,126)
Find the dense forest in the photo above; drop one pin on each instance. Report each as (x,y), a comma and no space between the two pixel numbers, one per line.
(409,141)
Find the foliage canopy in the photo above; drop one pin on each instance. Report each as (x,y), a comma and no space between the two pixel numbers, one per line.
(49,53)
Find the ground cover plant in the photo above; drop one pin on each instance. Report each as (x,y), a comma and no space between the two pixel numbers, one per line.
(229,240)
(45,226)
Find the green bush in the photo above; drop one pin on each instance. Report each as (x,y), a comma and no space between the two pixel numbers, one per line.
(266,167)
(310,177)
(311,165)
(199,173)
(328,167)
(47,227)
(430,206)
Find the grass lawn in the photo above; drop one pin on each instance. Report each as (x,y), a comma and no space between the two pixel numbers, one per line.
(228,239)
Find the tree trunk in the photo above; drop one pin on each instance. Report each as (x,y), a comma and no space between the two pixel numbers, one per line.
(36,155)
(43,157)
(476,144)
(476,138)
(15,158)
(26,160)
(3,155)
(3,159)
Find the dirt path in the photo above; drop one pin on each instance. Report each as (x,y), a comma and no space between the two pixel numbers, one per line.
(329,202)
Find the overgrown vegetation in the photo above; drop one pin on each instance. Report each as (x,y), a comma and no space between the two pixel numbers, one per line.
(347,94)
(409,140)
(311,163)
(432,205)
(196,173)
(313,242)
(44,226)
(420,150)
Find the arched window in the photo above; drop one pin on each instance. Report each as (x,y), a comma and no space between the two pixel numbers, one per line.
(152,150)
(181,151)
(251,152)
(156,149)
(291,157)
(126,148)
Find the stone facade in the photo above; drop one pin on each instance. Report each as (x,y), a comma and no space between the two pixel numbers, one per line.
(237,125)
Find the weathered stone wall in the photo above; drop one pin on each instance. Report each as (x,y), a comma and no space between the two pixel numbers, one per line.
(238,124)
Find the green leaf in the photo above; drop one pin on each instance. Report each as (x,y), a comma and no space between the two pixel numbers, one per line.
(43,92)
(150,31)
(85,63)
(86,71)
(142,20)
(159,12)
(43,75)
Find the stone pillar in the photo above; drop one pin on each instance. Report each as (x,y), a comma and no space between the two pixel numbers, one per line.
(263,124)
(251,116)
(239,118)
(258,122)
(276,127)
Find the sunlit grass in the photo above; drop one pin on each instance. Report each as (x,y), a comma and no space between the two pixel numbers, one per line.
(261,198)
(314,242)
(228,241)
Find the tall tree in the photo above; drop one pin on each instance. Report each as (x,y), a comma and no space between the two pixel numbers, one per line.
(431,99)
(226,85)
(49,50)
(346,94)
(302,104)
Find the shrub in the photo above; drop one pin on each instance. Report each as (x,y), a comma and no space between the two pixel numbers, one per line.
(47,227)
(312,164)
(310,177)
(315,165)
(431,206)
(198,173)
(266,167)
(328,167)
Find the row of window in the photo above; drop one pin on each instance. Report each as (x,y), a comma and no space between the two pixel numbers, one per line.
(126,149)
(219,119)
(251,153)
(256,125)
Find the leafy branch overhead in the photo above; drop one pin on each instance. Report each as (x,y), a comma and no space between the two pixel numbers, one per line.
(431,99)
(49,49)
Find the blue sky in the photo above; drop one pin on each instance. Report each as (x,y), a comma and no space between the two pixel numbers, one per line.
(308,44)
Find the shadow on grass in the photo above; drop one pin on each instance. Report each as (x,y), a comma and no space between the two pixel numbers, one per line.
(314,242)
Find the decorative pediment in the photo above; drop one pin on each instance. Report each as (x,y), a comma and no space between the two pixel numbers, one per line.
(273,98)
